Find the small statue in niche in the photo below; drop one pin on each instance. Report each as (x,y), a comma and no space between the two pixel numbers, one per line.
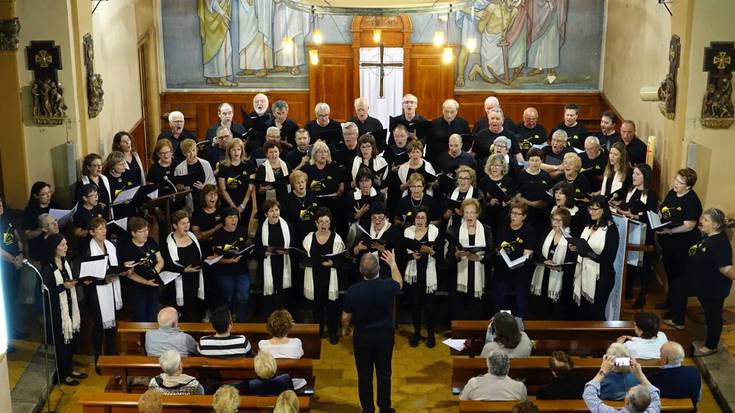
(96,95)
(667,89)
(717,106)
(48,102)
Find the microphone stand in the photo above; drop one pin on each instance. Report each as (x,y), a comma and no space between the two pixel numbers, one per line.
(45,292)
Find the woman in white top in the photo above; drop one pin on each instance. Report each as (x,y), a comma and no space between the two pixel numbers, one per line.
(280,346)
(507,337)
(648,341)
(367,155)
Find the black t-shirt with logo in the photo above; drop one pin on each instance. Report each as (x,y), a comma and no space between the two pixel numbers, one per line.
(678,209)
(705,260)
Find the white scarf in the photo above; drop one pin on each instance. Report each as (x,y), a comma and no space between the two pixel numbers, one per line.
(378,163)
(412,267)
(617,183)
(555,276)
(106,183)
(136,159)
(464,262)
(587,271)
(109,296)
(173,252)
(357,194)
(269,175)
(352,232)
(643,198)
(333,290)
(69,325)
(378,234)
(403,175)
(455,197)
(267,268)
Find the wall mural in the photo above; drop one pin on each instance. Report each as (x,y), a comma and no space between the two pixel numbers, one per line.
(505,44)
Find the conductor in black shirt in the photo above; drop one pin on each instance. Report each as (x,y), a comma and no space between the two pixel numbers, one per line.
(369,306)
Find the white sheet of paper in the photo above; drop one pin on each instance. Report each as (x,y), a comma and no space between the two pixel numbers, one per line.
(153,195)
(214,260)
(122,223)
(515,262)
(126,195)
(168,276)
(655,220)
(455,343)
(96,269)
(63,216)
(540,145)
(577,150)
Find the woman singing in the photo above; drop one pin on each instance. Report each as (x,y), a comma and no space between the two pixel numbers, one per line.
(184,256)
(272,240)
(324,247)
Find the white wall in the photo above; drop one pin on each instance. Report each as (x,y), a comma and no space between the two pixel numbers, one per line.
(116,59)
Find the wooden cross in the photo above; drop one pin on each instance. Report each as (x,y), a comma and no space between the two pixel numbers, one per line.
(719,56)
(44,59)
(382,65)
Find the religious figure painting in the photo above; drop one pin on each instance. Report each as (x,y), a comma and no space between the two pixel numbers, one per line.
(261,44)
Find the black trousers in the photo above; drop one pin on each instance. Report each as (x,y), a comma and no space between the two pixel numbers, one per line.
(675,263)
(713,319)
(323,308)
(422,302)
(374,350)
(467,307)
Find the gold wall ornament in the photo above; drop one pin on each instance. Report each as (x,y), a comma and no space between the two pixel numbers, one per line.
(667,89)
(717,106)
(9,31)
(95,93)
(44,59)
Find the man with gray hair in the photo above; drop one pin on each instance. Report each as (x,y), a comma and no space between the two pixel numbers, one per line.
(272,134)
(643,398)
(346,150)
(491,102)
(495,385)
(369,306)
(225,114)
(675,380)
(257,121)
(173,381)
(176,135)
(444,126)
(323,127)
(168,336)
(287,126)
(554,154)
(366,123)
(594,160)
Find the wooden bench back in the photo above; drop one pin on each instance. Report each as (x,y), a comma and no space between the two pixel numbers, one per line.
(200,367)
(128,403)
(565,406)
(131,336)
(581,338)
(533,371)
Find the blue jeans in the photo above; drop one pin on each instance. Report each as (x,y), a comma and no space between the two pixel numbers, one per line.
(145,302)
(235,292)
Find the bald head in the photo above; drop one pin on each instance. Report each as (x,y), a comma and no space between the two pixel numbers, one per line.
(369,266)
(672,353)
(168,317)
(530,117)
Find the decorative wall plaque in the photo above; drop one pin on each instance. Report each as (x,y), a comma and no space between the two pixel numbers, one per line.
(667,89)
(44,59)
(717,106)
(95,94)
(9,30)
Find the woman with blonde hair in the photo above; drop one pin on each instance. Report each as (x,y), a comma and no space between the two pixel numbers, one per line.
(199,168)
(287,402)
(268,383)
(499,188)
(466,188)
(233,178)
(226,400)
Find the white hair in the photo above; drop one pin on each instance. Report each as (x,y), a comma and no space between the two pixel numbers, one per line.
(560,133)
(361,101)
(170,362)
(451,102)
(173,115)
(273,130)
(348,126)
(592,139)
(498,363)
(321,106)
(502,139)
(492,101)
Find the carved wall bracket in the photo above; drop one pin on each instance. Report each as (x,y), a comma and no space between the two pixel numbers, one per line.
(95,93)
(667,89)
(44,59)
(717,106)
(9,30)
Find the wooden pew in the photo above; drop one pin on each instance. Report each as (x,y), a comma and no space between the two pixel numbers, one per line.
(534,371)
(565,406)
(131,336)
(201,368)
(128,403)
(581,338)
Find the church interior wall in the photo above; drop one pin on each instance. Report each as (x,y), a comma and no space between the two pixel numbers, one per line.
(46,145)
(115,36)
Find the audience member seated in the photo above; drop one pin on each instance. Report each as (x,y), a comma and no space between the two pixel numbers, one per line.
(150,402)
(226,400)
(279,345)
(507,337)
(647,344)
(565,384)
(643,398)
(172,380)
(287,402)
(525,406)
(222,344)
(674,380)
(267,383)
(168,336)
(494,385)
(619,379)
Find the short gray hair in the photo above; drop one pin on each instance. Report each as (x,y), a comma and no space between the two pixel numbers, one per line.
(321,106)
(170,362)
(273,130)
(369,266)
(560,133)
(619,350)
(279,105)
(349,126)
(638,399)
(168,317)
(498,363)
(674,352)
(498,111)
(502,139)
(174,114)
(593,139)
